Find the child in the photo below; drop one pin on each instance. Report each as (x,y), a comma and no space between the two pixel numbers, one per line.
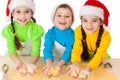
(59,39)
(23,35)
(91,39)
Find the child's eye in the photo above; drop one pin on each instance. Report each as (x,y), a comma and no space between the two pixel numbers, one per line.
(17,11)
(27,11)
(59,15)
(67,16)
(94,20)
(84,20)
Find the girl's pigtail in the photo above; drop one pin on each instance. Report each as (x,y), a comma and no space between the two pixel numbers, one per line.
(99,38)
(85,54)
(17,43)
(33,19)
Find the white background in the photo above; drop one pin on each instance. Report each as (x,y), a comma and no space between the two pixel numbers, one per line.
(43,13)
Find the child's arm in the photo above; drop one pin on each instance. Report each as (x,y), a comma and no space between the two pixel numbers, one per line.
(34,59)
(16,59)
(48,61)
(60,64)
(68,47)
(101,50)
(48,66)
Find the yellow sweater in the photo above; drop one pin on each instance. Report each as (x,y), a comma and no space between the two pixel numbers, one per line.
(91,43)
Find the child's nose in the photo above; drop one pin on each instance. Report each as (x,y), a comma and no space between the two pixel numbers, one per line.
(89,25)
(22,15)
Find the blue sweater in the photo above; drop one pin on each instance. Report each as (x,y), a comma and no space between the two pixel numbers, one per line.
(63,37)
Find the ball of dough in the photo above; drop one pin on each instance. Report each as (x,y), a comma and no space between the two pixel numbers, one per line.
(53,72)
(73,74)
(22,70)
(82,76)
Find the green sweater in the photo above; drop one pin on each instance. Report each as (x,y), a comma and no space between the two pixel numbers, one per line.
(36,32)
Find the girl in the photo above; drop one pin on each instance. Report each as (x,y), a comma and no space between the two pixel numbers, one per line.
(59,39)
(23,35)
(91,39)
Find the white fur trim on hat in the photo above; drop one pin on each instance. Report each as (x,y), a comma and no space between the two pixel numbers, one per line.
(54,10)
(91,10)
(28,3)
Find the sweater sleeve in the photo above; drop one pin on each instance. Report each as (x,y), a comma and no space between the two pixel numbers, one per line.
(37,33)
(77,48)
(68,49)
(8,35)
(99,56)
(47,51)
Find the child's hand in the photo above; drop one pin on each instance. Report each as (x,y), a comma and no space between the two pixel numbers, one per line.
(46,69)
(74,74)
(31,69)
(22,69)
(57,70)
(84,74)
(73,70)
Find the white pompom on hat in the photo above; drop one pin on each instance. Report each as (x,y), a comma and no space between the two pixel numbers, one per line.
(12,4)
(95,7)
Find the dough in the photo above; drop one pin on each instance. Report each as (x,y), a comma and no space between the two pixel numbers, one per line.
(53,72)
(99,74)
(50,72)
(73,74)
(82,76)
(22,70)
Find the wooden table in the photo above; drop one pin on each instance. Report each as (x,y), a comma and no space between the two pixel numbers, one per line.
(6,60)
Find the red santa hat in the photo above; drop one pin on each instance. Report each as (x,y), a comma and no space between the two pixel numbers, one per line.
(12,4)
(95,7)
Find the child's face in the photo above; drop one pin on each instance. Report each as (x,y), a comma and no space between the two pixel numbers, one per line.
(22,15)
(91,23)
(63,18)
